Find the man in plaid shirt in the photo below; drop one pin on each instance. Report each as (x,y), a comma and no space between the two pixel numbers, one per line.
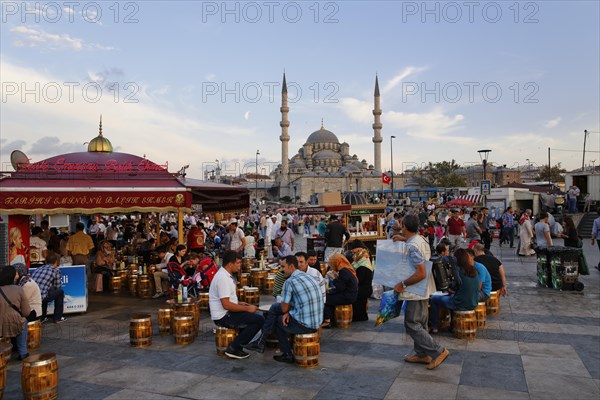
(48,279)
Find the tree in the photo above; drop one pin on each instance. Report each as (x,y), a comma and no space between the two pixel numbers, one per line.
(452,180)
(443,174)
(556,173)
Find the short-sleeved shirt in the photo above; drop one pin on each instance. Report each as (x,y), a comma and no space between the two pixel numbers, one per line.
(80,243)
(319,279)
(236,239)
(47,277)
(540,238)
(455,226)
(472,231)
(492,264)
(222,286)
(278,283)
(485,278)
(304,296)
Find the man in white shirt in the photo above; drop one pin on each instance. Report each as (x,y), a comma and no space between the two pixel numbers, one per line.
(302,258)
(237,238)
(226,311)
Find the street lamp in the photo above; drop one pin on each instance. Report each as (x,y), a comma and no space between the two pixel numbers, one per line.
(483,155)
(256,182)
(392,163)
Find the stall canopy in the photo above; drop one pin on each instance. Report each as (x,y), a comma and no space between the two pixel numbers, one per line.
(101,181)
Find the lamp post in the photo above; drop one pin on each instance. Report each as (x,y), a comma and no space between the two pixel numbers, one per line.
(295,188)
(256,182)
(483,155)
(392,164)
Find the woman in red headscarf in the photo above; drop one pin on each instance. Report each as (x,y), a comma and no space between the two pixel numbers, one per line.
(344,287)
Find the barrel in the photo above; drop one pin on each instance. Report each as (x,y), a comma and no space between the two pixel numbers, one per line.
(240,292)
(269,282)
(34,335)
(323,269)
(257,277)
(5,340)
(252,296)
(183,327)
(164,320)
(133,282)
(124,274)
(480,314)
(465,324)
(39,377)
(244,278)
(192,307)
(493,303)
(144,286)
(343,315)
(203,300)
(443,318)
(247,264)
(223,338)
(5,350)
(140,330)
(306,350)
(115,284)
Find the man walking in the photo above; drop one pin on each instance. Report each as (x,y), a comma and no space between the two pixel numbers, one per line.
(48,278)
(455,228)
(335,236)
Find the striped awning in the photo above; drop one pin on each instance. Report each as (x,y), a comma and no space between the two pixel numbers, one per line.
(475,198)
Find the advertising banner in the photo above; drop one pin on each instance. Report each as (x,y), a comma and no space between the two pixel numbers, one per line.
(75,288)
(18,239)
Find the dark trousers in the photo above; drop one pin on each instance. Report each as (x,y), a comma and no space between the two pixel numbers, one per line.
(274,322)
(333,300)
(508,235)
(106,275)
(487,239)
(58,296)
(248,323)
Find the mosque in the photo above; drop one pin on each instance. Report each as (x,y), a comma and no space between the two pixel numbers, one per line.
(323,164)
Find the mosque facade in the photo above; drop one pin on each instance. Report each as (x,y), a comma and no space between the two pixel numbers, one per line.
(323,164)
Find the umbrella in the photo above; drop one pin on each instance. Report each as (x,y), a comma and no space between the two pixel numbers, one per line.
(459,203)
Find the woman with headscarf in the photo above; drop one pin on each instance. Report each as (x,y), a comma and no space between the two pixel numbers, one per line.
(32,291)
(526,234)
(344,286)
(364,272)
(14,309)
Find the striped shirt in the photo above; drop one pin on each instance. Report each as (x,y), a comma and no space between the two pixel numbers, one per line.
(278,284)
(303,294)
(47,277)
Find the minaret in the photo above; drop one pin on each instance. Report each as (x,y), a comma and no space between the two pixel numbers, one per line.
(377,139)
(285,138)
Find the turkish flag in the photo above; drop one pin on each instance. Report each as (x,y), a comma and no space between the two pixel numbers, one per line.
(386,179)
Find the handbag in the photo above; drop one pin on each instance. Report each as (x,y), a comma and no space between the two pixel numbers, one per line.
(9,302)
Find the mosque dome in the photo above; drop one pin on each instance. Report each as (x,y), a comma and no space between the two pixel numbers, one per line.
(322,136)
(327,155)
(354,198)
(100,144)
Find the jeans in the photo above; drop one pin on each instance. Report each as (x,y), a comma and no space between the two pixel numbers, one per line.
(274,321)
(58,296)
(508,235)
(483,296)
(307,229)
(21,341)
(248,323)
(415,322)
(573,205)
(436,302)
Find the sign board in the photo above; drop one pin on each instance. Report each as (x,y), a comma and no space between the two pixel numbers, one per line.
(485,187)
(75,288)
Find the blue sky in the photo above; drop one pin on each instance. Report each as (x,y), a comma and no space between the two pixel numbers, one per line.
(171,61)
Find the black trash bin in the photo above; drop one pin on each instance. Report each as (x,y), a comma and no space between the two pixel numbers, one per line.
(558,267)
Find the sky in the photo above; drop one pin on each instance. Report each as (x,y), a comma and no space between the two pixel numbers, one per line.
(192,82)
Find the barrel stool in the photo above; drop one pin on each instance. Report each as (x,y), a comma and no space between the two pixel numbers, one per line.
(144,286)
(480,313)
(306,350)
(252,296)
(464,324)
(115,284)
(5,350)
(164,320)
(223,338)
(203,300)
(34,335)
(140,330)
(183,327)
(39,377)
(268,285)
(493,303)
(343,315)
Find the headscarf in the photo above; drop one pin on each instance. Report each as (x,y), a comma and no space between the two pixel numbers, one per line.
(362,258)
(338,262)
(23,272)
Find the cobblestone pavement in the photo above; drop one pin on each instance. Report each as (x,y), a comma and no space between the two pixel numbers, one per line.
(544,344)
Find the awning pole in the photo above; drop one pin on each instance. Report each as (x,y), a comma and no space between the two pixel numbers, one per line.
(180,225)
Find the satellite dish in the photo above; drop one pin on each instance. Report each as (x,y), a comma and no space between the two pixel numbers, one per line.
(18,159)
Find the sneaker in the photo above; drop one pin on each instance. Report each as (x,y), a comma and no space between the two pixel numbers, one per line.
(58,321)
(157,295)
(285,358)
(256,345)
(239,354)
(439,359)
(417,360)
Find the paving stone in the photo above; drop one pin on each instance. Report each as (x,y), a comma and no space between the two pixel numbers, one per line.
(445,373)
(547,350)
(311,379)
(75,390)
(560,366)
(374,384)
(401,389)
(274,392)
(128,394)
(500,371)
(478,393)
(546,385)
(496,346)
(215,387)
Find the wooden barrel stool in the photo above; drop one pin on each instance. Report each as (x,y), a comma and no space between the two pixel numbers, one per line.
(124,274)
(39,377)
(140,330)
(465,324)
(183,327)
(257,277)
(247,264)
(133,283)
(307,349)
(190,306)
(203,300)
(252,296)
(343,315)
(34,335)
(164,320)
(244,279)
(115,284)
(493,303)
(5,350)
(480,313)
(240,292)
(223,338)
(268,287)
(144,286)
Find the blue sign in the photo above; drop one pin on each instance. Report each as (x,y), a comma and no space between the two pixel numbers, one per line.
(485,187)
(75,288)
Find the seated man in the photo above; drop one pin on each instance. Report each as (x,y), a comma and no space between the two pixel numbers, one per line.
(300,311)
(160,273)
(313,261)
(225,310)
(282,249)
(485,280)
(493,266)
(48,279)
(303,266)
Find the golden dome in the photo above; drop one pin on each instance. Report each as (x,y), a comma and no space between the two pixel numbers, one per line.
(100,144)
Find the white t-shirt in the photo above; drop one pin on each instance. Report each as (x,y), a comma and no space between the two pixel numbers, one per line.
(236,239)
(221,286)
(320,280)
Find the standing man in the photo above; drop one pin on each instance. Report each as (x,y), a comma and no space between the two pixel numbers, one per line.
(48,279)
(427,351)
(79,246)
(508,229)
(335,236)
(226,311)
(322,226)
(455,229)
(573,193)
(484,224)
(196,239)
(472,227)
(300,311)
(596,235)
(285,234)
(237,240)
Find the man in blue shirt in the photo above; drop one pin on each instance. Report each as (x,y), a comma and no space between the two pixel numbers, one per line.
(485,280)
(300,311)
(48,278)
(508,229)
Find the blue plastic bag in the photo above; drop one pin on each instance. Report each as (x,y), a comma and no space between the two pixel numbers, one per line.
(389,307)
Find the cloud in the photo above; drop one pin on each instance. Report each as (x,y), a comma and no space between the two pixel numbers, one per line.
(405,73)
(357,110)
(7,147)
(29,37)
(247,115)
(553,123)
(53,145)
(433,125)
(210,77)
